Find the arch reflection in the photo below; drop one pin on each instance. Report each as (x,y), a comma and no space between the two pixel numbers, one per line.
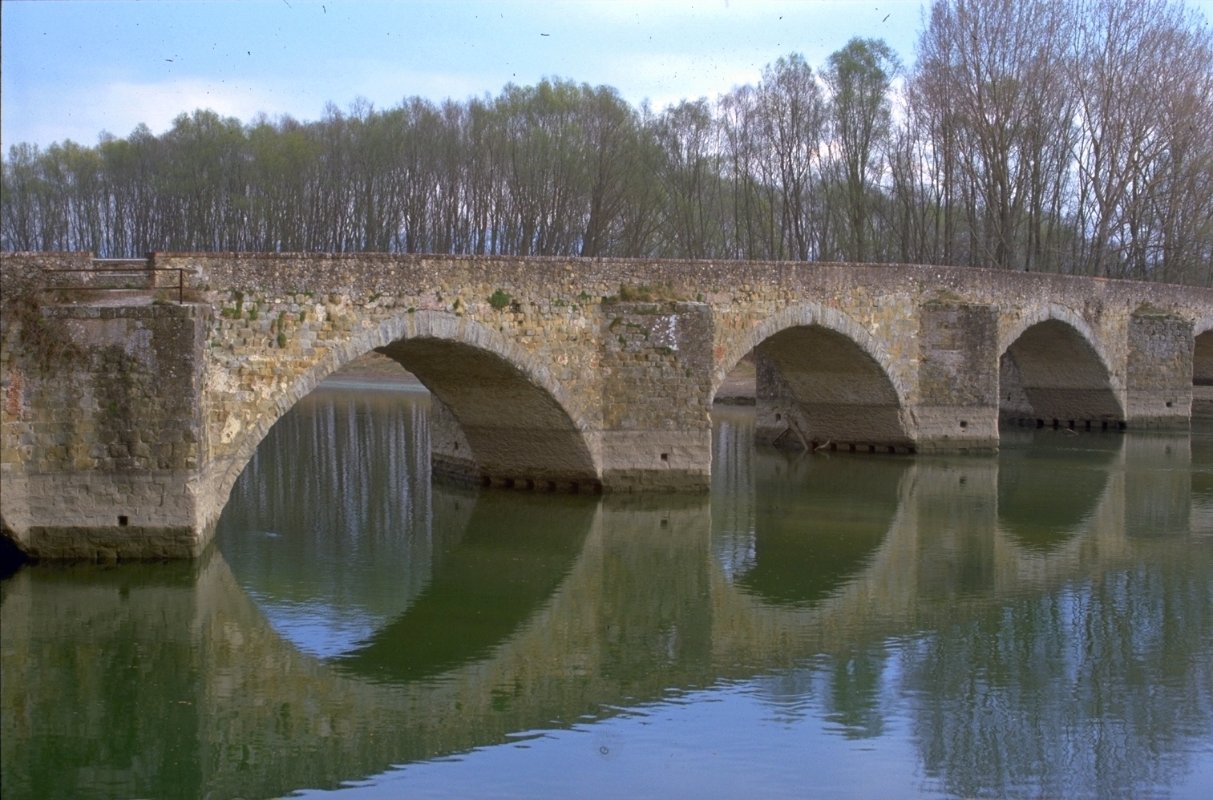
(1049,484)
(816,524)
(395,579)
(790,530)
(988,667)
(511,558)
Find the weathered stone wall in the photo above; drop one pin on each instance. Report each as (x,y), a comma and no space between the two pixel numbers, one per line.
(958,377)
(451,456)
(515,365)
(101,428)
(656,362)
(1159,369)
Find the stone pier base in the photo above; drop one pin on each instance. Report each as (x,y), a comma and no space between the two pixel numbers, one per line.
(103,517)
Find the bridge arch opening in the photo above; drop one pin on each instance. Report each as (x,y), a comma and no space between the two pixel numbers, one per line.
(818,389)
(821,382)
(1202,373)
(496,418)
(493,424)
(1202,361)
(1051,375)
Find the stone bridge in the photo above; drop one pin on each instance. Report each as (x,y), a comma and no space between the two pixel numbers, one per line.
(130,407)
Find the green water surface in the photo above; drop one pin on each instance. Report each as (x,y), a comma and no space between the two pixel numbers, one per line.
(1033,624)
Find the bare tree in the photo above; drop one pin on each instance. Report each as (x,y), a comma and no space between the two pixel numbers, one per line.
(990,75)
(1066,135)
(792,115)
(859,77)
(1143,71)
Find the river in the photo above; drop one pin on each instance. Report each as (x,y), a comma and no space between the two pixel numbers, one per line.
(1033,624)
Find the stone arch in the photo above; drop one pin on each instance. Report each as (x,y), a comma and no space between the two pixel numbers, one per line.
(1202,355)
(1054,370)
(525,429)
(1009,334)
(807,315)
(823,380)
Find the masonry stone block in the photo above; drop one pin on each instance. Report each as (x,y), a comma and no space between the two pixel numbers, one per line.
(1160,369)
(957,402)
(656,361)
(97,392)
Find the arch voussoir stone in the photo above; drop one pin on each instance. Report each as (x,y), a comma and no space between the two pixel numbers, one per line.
(480,437)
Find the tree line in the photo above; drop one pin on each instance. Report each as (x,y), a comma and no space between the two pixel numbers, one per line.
(1035,135)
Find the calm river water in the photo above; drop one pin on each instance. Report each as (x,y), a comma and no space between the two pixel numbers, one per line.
(1035,624)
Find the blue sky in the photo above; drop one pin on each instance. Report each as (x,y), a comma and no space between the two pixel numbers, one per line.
(74,68)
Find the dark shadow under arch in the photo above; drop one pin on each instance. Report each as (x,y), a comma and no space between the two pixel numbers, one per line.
(827,391)
(1053,376)
(515,430)
(1202,359)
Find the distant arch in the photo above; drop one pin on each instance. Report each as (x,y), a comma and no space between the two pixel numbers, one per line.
(1202,353)
(1054,368)
(804,316)
(830,382)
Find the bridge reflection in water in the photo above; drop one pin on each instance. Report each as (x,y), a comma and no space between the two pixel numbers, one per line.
(1038,622)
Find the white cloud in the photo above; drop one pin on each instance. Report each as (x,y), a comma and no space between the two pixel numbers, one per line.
(157,104)
(668,78)
(81,113)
